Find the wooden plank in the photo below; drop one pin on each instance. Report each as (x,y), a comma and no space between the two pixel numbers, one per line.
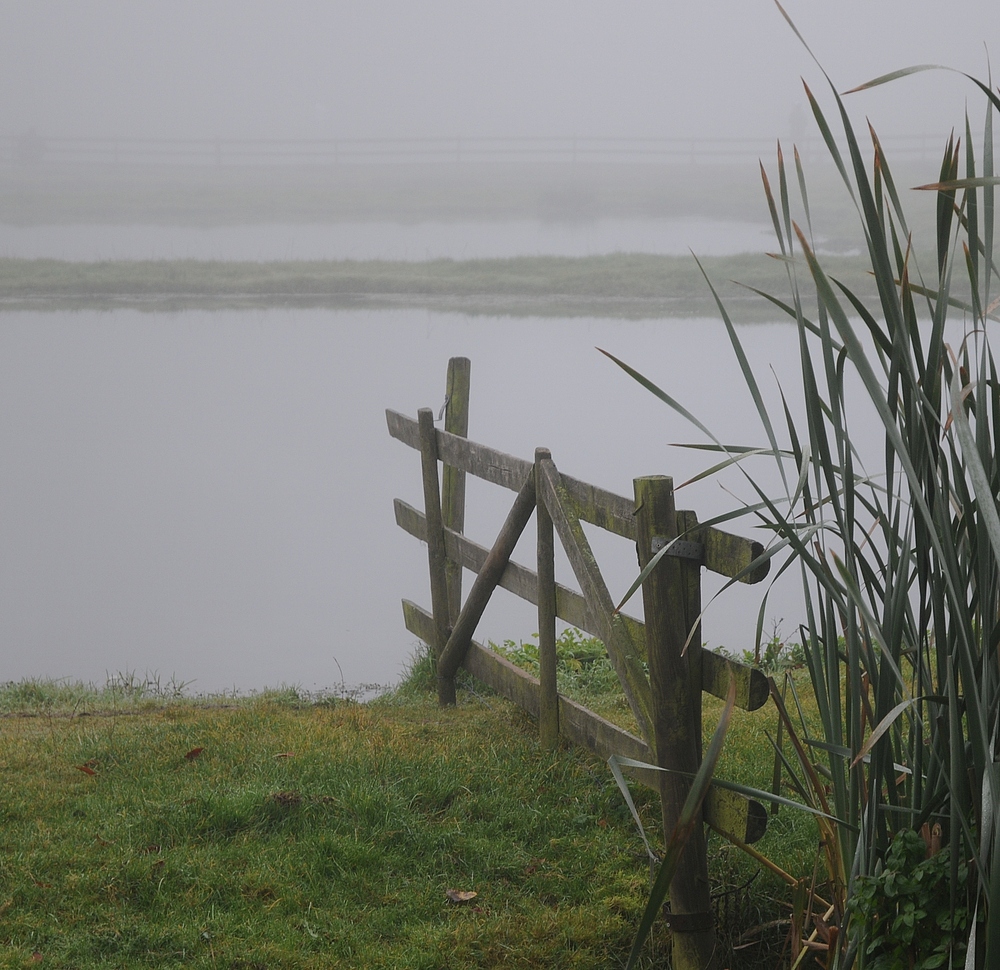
(733,814)
(577,724)
(402,428)
(723,809)
(601,737)
(436,555)
(548,716)
(517,579)
(486,463)
(626,656)
(483,462)
(751,684)
(602,508)
(497,672)
(487,580)
(730,555)
(456,421)
(598,506)
(505,678)
(725,553)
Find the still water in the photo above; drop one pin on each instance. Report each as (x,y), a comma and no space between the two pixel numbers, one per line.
(385,240)
(208,495)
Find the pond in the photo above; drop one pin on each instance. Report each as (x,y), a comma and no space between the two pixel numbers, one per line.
(208,495)
(385,240)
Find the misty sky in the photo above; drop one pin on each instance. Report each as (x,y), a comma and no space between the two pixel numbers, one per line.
(315,68)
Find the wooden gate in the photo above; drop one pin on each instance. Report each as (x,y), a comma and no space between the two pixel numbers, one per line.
(666,704)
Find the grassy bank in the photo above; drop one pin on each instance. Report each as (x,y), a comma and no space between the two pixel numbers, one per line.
(280,831)
(619,285)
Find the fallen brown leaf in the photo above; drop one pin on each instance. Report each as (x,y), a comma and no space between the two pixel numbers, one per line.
(460,895)
(86,769)
(193,753)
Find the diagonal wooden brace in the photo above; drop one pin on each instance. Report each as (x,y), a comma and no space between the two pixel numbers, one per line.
(625,655)
(482,589)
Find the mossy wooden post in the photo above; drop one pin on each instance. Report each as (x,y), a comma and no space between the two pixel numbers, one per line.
(456,421)
(671,601)
(436,555)
(548,715)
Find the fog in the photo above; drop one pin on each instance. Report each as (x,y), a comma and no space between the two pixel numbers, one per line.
(175,484)
(246,68)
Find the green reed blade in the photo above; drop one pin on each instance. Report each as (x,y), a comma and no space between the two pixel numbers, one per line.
(689,817)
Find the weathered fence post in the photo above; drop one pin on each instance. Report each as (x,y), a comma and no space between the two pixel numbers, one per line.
(436,555)
(548,701)
(675,681)
(456,421)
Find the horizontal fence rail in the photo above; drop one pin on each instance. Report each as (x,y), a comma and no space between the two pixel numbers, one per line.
(30,149)
(751,684)
(725,554)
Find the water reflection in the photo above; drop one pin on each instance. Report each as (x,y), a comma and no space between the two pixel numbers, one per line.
(209,494)
(384,240)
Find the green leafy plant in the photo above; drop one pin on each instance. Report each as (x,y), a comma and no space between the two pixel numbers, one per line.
(776,655)
(907,909)
(574,651)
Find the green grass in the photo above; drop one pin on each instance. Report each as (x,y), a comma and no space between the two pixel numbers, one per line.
(127,692)
(619,285)
(325,833)
(585,674)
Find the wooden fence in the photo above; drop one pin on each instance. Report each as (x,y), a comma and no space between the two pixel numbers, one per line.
(666,704)
(30,149)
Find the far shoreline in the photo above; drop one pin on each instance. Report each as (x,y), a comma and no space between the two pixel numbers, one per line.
(619,285)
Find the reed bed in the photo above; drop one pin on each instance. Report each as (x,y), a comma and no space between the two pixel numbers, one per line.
(898,551)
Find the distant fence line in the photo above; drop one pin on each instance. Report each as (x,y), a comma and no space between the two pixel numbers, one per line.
(31,150)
